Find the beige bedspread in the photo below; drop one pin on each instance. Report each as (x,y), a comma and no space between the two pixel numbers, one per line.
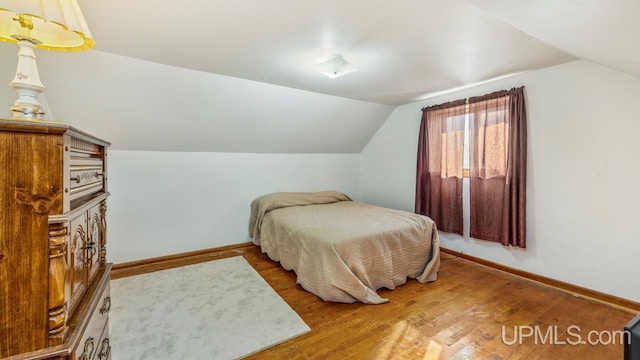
(343,250)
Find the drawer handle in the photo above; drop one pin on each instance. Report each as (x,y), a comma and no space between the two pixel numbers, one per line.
(106,305)
(78,178)
(87,354)
(104,354)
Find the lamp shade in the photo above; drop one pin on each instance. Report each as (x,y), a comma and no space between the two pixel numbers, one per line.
(48,24)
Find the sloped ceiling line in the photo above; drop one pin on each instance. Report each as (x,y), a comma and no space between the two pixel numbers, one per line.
(239,76)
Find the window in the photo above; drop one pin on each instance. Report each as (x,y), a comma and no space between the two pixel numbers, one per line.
(494,127)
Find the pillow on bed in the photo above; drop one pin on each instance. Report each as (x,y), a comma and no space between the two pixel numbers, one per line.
(263,204)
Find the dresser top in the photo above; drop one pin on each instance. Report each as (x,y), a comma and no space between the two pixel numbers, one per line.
(49,127)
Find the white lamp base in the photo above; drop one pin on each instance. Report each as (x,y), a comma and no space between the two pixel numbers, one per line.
(27,83)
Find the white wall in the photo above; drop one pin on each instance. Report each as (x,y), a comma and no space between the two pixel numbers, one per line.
(172,202)
(583,175)
(184,162)
(141,105)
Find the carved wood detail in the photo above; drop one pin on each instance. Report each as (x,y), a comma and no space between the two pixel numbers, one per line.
(93,242)
(57,277)
(77,261)
(103,232)
(92,249)
(80,145)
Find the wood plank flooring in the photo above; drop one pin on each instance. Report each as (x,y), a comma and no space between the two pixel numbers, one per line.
(460,316)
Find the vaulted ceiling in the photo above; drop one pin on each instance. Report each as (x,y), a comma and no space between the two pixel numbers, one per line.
(239,76)
(404,49)
(604,32)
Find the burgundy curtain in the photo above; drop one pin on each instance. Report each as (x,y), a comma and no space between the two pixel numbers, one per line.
(498,164)
(439,167)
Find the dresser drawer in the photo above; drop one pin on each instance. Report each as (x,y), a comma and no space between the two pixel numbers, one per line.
(86,168)
(91,342)
(85,179)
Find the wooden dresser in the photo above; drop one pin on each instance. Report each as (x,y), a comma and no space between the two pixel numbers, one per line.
(54,277)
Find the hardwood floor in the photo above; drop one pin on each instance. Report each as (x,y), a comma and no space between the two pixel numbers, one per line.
(470,312)
(460,316)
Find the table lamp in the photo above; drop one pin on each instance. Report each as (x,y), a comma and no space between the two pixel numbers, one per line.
(43,24)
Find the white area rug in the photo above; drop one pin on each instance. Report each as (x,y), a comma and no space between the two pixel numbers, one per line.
(220,309)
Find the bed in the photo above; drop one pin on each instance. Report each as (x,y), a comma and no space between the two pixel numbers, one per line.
(343,250)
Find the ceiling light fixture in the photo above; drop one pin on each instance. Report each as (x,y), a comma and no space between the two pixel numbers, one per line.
(335,67)
(43,24)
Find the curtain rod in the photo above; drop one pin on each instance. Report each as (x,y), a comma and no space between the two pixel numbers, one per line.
(491,95)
